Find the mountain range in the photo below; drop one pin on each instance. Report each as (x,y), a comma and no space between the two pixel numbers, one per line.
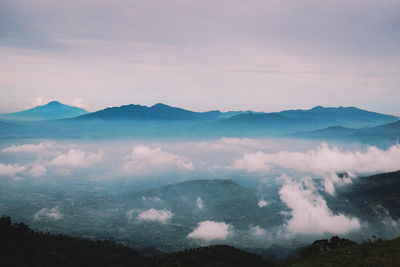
(58,120)
(330,116)
(158,111)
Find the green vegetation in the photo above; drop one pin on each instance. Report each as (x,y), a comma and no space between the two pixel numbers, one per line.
(376,253)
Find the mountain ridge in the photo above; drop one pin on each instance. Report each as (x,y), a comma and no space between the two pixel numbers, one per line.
(162,111)
(133,111)
(163,121)
(389,132)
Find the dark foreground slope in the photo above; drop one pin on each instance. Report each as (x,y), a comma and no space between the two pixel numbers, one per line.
(221,255)
(21,246)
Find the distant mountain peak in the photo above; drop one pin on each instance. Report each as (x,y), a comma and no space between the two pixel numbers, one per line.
(317,108)
(320,108)
(53,110)
(160,105)
(158,111)
(53,103)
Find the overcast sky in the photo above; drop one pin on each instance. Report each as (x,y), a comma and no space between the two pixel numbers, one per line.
(264,55)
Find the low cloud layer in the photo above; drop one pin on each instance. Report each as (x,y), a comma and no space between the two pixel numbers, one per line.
(210,230)
(76,158)
(14,170)
(11,169)
(144,158)
(199,203)
(283,208)
(310,213)
(323,160)
(47,157)
(154,215)
(37,170)
(28,148)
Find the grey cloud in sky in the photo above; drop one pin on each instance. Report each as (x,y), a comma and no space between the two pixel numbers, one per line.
(351,26)
(263,55)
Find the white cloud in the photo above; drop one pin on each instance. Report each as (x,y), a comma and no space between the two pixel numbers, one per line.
(161,216)
(39,101)
(257,231)
(333,179)
(151,199)
(199,203)
(28,148)
(252,162)
(310,213)
(210,230)
(324,160)
(64,160)
(76,158)
(11,169)
(37,170)
(143,159)
(262,203)
(129,214)
(46,213)
(77,102)
(230,144)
